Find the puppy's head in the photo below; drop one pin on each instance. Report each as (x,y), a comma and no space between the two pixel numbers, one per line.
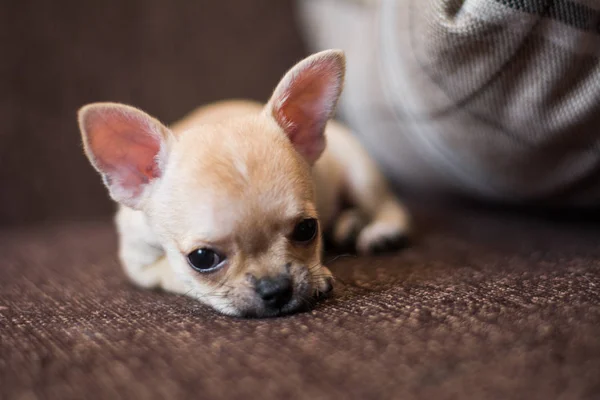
(233,203)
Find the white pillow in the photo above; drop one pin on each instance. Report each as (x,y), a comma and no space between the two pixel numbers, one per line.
(495,98)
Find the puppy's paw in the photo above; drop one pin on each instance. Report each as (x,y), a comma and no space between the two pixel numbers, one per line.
(158,275)
(381,236)
(323,282)
(347,227)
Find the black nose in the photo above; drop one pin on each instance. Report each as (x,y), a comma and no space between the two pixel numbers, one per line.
(275,291)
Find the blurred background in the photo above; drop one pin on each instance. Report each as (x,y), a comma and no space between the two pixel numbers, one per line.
(490,99)
(164,57)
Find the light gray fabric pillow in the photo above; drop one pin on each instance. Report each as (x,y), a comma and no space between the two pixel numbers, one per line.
(495,98)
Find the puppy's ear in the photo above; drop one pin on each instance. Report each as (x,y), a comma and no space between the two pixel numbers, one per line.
(127,146)
(305,100)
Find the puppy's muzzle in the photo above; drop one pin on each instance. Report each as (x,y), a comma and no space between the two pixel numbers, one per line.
(275,292)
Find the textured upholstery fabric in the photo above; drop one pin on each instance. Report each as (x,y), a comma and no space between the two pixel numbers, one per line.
(481,307)
(494,98)
(484,305)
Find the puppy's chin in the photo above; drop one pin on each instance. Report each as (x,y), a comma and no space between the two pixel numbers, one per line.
(248,306)
(300,302)
(255,310)
(294,306)
(243,302)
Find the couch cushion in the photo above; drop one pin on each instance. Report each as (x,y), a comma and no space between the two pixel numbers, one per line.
(489,98)
(480,307)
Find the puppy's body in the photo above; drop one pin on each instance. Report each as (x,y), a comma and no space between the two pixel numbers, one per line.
(242,183)
(343,174)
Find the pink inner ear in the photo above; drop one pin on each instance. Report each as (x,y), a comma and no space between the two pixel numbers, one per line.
(124,149)
(305,101)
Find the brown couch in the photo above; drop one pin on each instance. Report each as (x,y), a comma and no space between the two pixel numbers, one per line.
(486,304)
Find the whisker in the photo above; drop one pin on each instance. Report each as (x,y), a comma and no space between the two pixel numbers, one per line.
(334,259)
(308,301)
(323,276)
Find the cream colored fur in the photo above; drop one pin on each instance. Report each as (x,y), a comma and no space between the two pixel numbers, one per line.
(231,179)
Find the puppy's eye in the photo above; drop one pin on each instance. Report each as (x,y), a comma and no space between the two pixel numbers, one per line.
(305,230)
(205,260)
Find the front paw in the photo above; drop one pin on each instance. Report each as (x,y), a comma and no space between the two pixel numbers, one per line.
(323,282)
(352,231)
(164,276)
(380,237)
(347,227)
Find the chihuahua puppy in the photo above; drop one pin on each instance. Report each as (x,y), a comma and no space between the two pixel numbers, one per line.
(229,205)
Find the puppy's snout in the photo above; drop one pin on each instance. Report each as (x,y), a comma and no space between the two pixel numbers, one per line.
(274,291)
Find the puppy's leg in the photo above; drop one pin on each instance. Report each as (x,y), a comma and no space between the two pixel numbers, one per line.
(386,221)
(323,281)
(142,257)
(387,229)
(347,227)
(154,275)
